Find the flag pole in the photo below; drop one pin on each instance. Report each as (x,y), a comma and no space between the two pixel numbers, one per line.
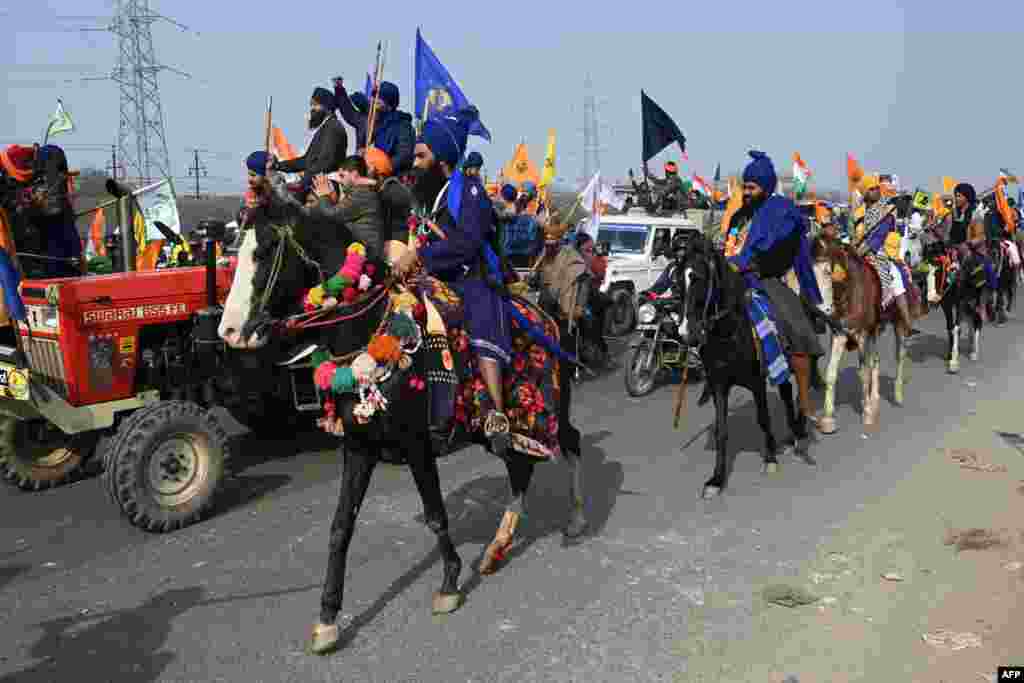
(267,124)
(378,68)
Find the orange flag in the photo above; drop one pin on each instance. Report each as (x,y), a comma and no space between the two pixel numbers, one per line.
(1008,214)
(948,184)
(854,172)
(821,213)
(521,168)
(6,234)
(939,206)
(96,232)
(734,204)
(148,257)
(280,147)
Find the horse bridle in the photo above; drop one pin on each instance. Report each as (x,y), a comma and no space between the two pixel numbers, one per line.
(710,300)
(285,237)
(258,318)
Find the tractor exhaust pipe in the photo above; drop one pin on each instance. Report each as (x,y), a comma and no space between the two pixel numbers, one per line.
(129,249)
(212,232)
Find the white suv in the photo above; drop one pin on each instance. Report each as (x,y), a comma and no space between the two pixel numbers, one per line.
(632,264)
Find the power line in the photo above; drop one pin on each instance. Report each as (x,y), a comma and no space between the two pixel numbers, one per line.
(141,140)
(197,169)
(116,169)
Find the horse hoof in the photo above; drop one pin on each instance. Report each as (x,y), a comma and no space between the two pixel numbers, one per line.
(770,468)
(446,603)
(710,492)
(576,527)
(953,368)
(898,399)
(974,357)
(827,425)
(325,639)
(803,453)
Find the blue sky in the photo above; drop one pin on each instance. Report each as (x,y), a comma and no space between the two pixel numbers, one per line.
(923,89)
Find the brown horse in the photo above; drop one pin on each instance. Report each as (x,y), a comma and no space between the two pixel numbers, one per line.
(857,299)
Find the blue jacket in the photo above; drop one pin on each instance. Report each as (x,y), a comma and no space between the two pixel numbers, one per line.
(394,135)
(466,218)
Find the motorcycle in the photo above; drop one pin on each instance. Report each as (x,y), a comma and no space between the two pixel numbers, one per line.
(657,347)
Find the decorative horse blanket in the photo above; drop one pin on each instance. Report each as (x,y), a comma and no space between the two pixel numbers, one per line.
(428,318)
(531,385)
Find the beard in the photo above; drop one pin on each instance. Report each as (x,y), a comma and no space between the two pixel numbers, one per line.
(752,203)
(428,185)
(316,118)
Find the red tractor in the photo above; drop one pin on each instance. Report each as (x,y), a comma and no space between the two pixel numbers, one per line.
(124,368)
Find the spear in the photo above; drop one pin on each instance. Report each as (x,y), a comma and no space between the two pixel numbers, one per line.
(377,74)
(267,123)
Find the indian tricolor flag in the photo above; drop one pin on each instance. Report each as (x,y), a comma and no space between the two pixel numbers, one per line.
(800,174)
(701,185)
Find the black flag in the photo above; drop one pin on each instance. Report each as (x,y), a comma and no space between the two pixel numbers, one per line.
(660,130)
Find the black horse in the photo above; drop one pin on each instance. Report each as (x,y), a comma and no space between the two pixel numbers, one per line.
(1007,275)
(282,270)
(963,291)
(716,320)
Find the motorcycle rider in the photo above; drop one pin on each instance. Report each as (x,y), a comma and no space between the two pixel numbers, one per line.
(667,277)
(592,323)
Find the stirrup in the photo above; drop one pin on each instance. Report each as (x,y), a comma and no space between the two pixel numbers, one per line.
(496,424)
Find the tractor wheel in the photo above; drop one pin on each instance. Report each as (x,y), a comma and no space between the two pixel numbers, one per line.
(35,455)
(169,466)
(110,444)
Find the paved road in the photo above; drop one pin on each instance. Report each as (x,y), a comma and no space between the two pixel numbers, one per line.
(233,599)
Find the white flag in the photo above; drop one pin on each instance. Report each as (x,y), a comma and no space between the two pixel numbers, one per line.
(612,198)
(590,200)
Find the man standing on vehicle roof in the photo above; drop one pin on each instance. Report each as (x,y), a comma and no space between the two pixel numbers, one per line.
(670,193)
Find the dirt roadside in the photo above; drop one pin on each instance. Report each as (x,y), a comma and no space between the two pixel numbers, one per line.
(923,585)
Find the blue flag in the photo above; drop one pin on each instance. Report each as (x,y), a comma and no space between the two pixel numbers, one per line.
(435,84)
(368,88)
(9,280)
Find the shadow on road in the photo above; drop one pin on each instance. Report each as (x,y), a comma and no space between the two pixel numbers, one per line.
(252,450)
(477,507)
(475,510)
(10,572)
(122,645)
(240,491)
(927,346)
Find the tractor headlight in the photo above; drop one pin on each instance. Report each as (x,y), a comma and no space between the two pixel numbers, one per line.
(43,316)
(50,318)
(646,314)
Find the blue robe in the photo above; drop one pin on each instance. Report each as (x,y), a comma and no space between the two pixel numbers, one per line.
(776,220)
(466,216)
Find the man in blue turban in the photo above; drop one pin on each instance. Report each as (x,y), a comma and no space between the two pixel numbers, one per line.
(462,210)
(771,238)
(393,132)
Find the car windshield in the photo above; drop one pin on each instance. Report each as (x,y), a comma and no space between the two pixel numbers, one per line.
(624,239)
